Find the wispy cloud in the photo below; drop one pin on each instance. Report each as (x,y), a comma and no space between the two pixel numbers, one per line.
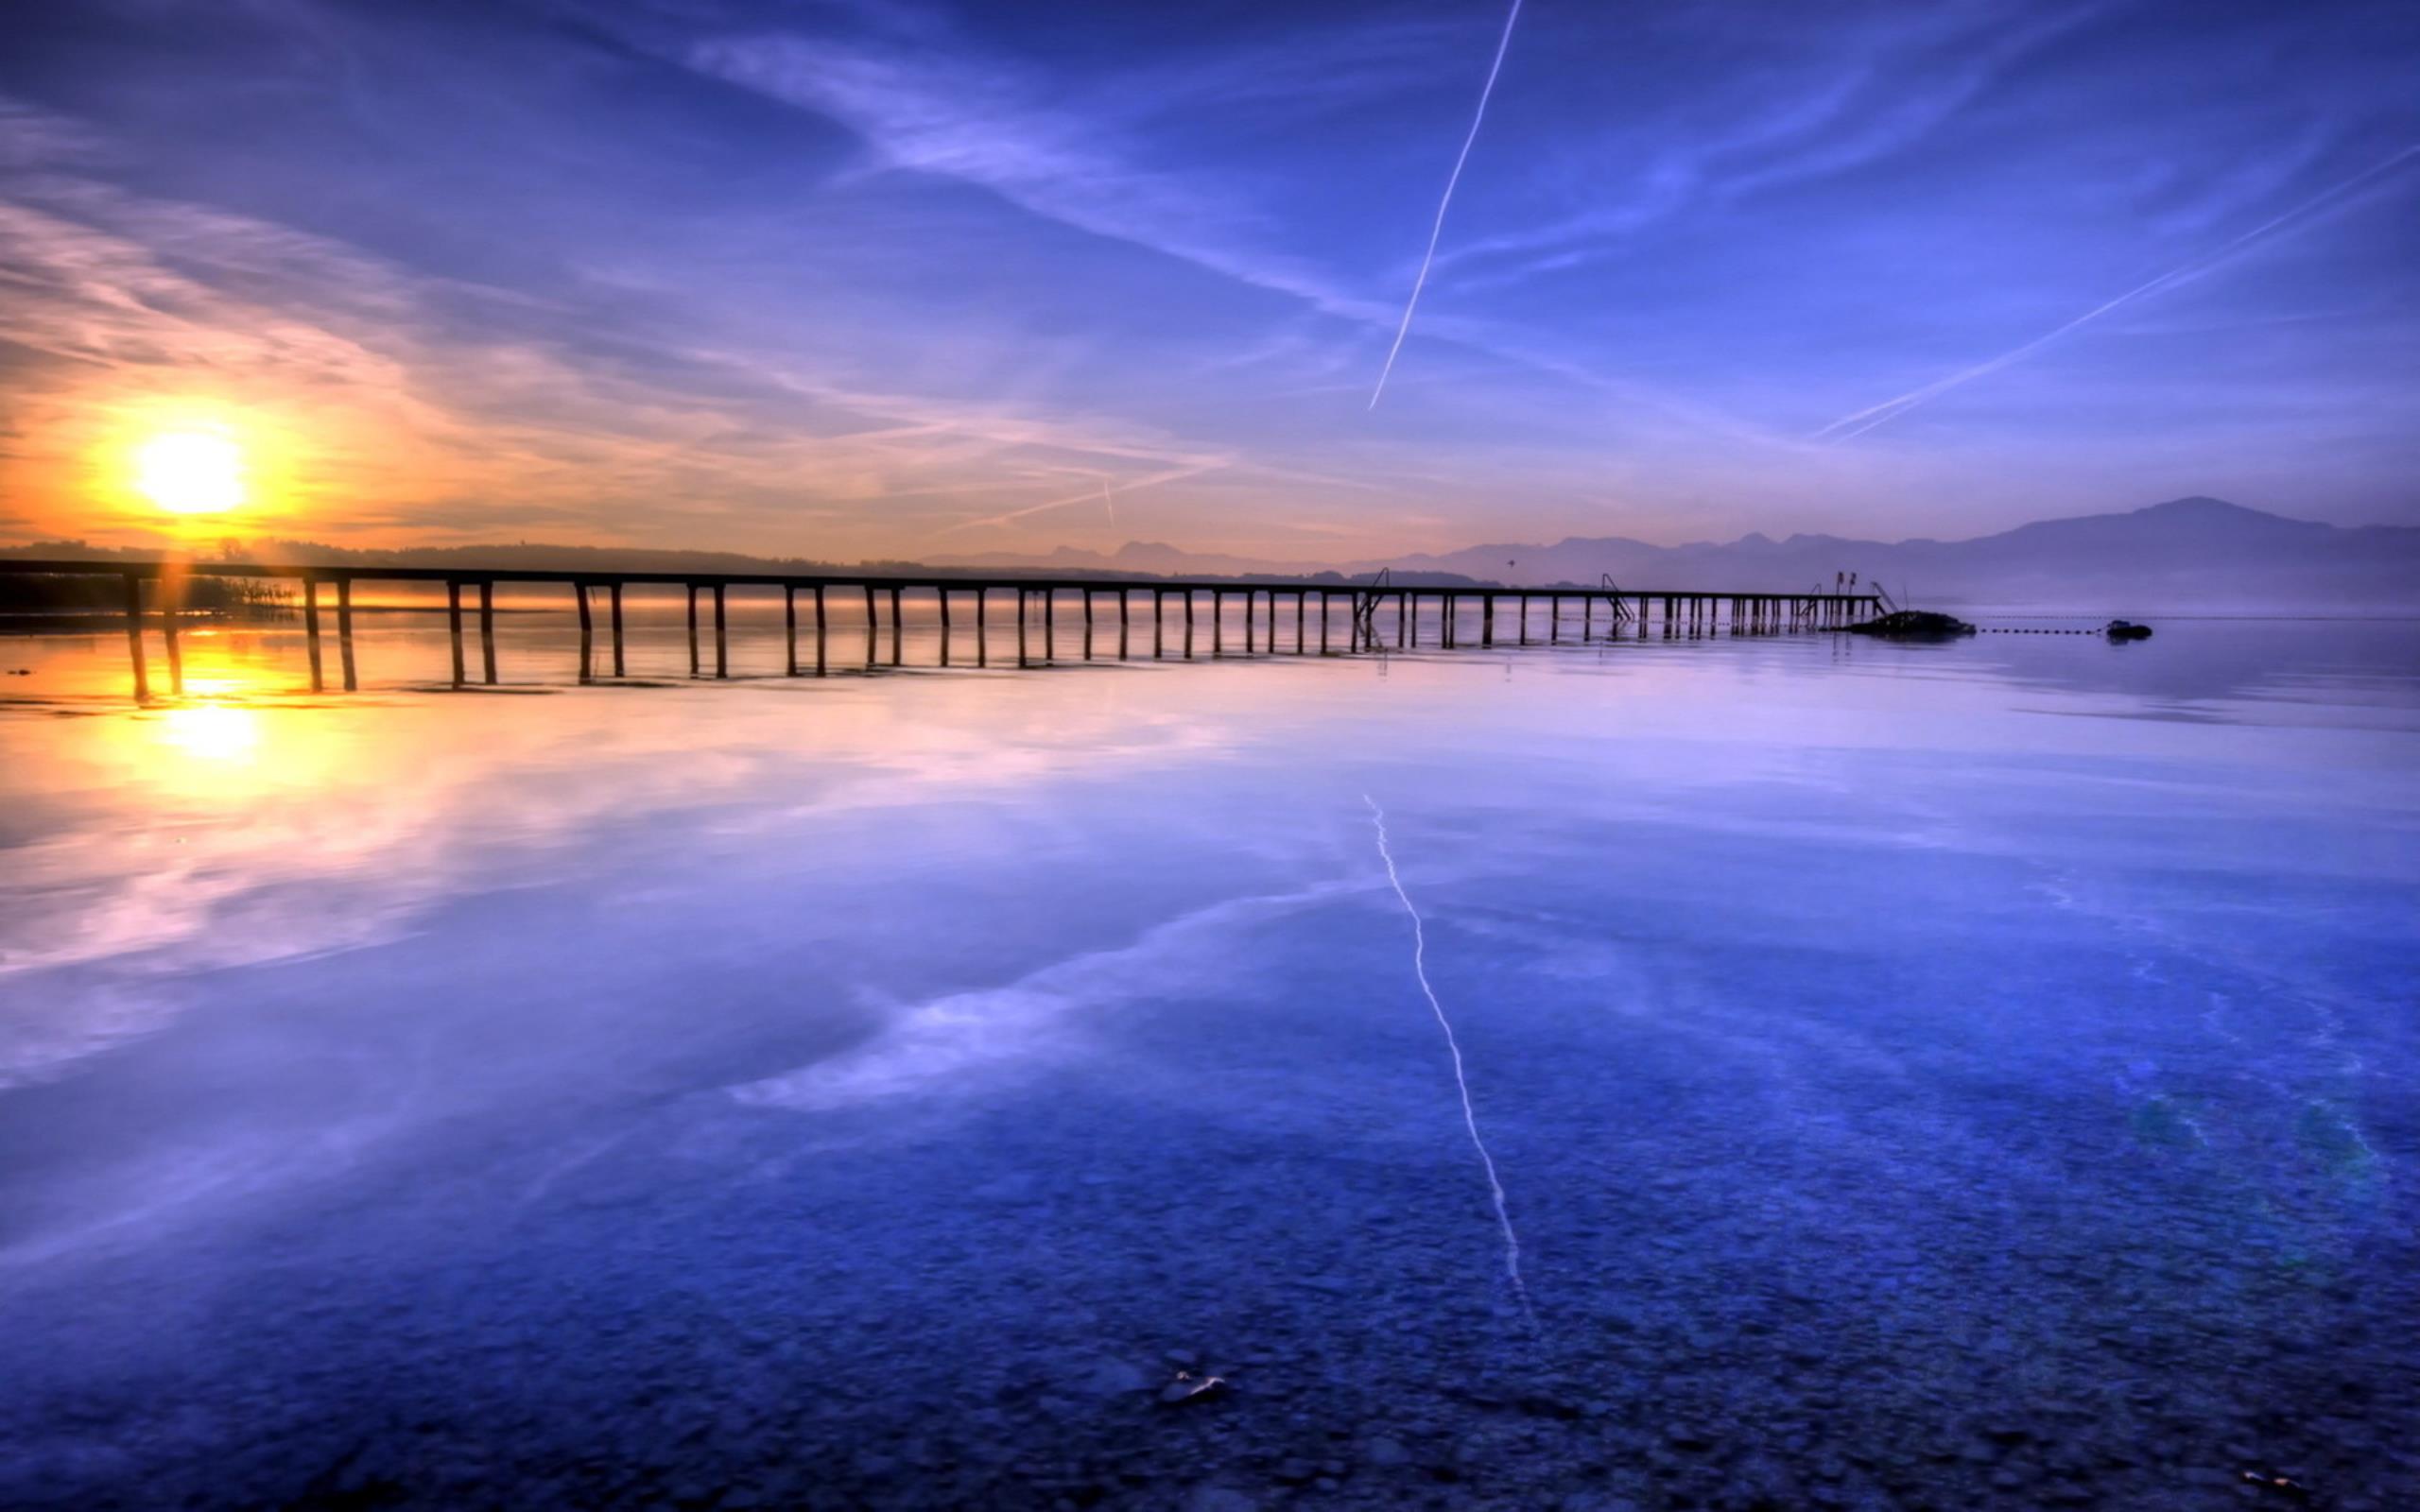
(399,424)
(954,112)
(1852,96)
(988,122)
(2333,197)
(833,278)
(2196,197)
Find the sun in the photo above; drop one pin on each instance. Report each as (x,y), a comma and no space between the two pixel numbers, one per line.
(191,471)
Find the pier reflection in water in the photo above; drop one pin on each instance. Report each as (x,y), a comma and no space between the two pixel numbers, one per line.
(1978,1074)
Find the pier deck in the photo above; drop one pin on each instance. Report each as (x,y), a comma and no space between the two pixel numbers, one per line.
(1379,615)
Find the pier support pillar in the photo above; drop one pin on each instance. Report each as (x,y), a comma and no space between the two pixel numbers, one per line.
(789,629)
(722,639)
(1088,624)
(821,669)
(453,630)
(587,631)
(614,609)
(311,629)
(134,637)
(344,632)
(873,629)
(487,629)
(171,592)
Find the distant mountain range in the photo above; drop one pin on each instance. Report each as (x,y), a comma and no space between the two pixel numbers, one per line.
(2195,552)
(2184,554)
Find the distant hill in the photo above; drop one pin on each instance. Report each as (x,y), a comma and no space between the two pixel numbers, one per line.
(2182,553)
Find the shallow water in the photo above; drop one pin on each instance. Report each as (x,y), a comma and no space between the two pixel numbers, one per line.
(1943,1076)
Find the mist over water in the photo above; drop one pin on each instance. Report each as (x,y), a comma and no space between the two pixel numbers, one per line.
(1979,1075)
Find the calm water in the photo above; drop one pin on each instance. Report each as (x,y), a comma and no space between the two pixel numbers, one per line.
(1919,1077)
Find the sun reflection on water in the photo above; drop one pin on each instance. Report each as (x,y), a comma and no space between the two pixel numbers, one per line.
(213,733)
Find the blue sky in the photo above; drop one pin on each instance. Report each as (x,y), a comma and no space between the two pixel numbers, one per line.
(900,279)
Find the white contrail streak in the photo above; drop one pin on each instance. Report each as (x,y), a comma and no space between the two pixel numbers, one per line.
(1174,475)
(1438,228)
(1109,504)
(1470,1119)
(1891,409)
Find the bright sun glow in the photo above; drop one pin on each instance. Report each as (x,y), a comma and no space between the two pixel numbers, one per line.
(191,471)
(213,732)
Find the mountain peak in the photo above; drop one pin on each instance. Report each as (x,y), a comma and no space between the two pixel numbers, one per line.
(2204,514)
(2201,506)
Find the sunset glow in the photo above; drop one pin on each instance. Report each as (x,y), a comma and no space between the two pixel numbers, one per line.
(833,283)
(191,471)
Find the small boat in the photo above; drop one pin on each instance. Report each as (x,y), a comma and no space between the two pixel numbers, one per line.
(1914,625)
(2127,630)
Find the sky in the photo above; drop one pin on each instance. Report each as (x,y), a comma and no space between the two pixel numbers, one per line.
(890,279)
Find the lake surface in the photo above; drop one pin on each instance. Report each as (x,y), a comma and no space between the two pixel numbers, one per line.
(1927,1076)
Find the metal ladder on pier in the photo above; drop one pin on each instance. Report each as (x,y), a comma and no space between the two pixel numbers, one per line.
(1365,607)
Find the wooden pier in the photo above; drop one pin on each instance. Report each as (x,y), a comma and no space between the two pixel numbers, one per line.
(1280,618)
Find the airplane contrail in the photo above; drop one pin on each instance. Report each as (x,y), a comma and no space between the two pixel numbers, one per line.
(1174,475)
(1470,1119)
(1109,504)
(1848,426)
(1438,228)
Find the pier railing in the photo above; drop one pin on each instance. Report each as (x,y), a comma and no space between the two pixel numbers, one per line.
(1381,614)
